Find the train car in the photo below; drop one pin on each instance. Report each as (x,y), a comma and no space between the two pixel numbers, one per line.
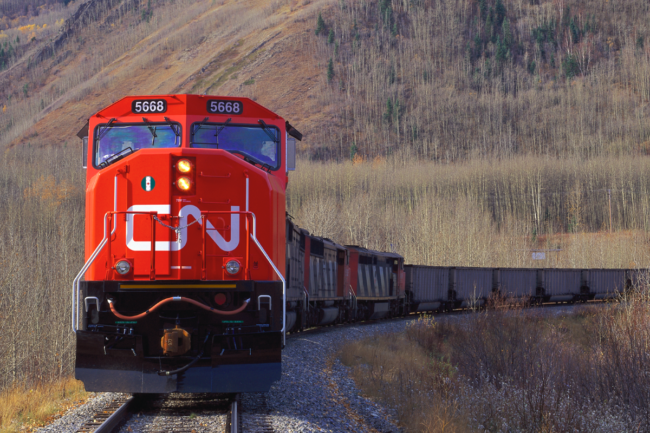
(427,288)
(328,282)
(519,283)
(563,285)
(471,287)
(605,283)
(183,287)
(378,283)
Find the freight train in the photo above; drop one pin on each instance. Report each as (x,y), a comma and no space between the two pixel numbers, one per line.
(194,273)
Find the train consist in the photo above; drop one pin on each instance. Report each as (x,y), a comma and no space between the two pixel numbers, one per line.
(194,273)
(432,288)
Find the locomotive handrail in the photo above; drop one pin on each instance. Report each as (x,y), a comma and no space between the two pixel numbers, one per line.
(284,284)
(91,259)
(277,272)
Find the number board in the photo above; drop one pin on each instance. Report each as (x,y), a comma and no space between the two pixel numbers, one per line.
(216,106)
(149,106)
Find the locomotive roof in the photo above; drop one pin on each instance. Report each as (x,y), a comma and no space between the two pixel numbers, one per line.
(374,252)
(184,104)
(328,241)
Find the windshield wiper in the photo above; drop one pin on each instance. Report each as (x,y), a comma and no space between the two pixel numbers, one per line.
(116,157)
(216,134)
(173,127)
(152,129)
(199,124)
(268,131)
(106,128)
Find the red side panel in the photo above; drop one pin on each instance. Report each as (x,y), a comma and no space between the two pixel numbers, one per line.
(401,280)
(354,269)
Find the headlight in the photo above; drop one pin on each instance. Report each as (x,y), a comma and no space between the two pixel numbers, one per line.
(123,267)
(184,184)
(184,166)
(232,267)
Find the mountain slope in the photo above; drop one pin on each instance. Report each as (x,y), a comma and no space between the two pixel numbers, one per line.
(112,48)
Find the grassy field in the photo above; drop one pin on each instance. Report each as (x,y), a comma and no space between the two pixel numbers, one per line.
(24,409)
(509,369)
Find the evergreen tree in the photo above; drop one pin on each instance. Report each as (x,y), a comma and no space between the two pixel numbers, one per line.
(353,151)
(570,66)
(575,31)
(478,45)
(531,67)
(330,71)
(507,33)
(330,37)
(320,24)
(502,51)
(388,115)
(499,12)
(386,11)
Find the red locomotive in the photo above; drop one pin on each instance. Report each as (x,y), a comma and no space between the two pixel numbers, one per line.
(185,229)
(188,247)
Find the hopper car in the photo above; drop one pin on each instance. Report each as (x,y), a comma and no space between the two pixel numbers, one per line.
(194,273)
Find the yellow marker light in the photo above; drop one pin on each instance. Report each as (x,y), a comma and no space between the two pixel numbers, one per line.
(184,184)
(184,166)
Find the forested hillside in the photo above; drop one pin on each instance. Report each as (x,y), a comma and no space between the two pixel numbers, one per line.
(441,81)
(449,80)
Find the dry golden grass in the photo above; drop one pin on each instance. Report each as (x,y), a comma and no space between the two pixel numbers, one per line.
(23,409)
(510,369)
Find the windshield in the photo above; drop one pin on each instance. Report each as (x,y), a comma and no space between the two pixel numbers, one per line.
(259,143)
(116,141)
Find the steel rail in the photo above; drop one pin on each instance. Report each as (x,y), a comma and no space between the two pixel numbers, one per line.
(234,422)
(110,418)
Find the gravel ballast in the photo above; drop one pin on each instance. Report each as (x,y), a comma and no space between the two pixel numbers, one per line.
(316,393)
(73,419)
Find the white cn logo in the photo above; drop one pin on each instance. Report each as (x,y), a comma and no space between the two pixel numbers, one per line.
(185,212)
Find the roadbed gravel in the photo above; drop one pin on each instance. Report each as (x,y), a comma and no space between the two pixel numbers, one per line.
(316,393)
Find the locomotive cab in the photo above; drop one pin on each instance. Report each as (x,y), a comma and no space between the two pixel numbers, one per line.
(185,226)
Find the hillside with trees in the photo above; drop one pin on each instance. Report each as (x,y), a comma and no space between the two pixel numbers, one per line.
(464,79)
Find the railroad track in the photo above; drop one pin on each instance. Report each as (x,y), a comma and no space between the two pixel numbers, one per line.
(175,413)
(255,414)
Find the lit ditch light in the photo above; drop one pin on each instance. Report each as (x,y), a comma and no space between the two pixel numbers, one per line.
(184,166)
(184,184)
